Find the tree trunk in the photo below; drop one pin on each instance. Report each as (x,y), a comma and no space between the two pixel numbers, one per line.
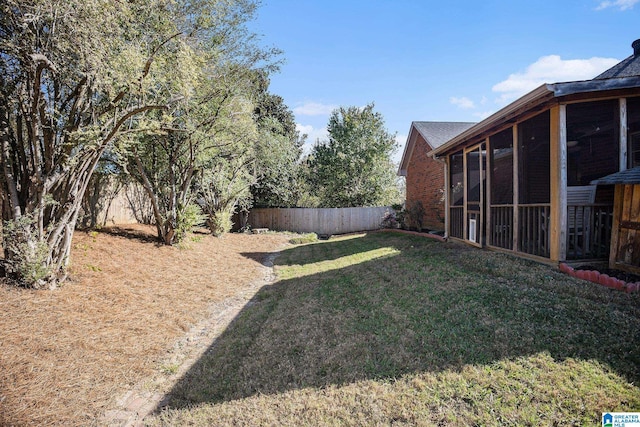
(166,230)
(43,214)
(37,242)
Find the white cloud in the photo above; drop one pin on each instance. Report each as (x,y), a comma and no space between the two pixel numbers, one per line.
(313,135)
(551,69)
(304,129)
(483,114)
(464,102)
(314,109)
(621,4)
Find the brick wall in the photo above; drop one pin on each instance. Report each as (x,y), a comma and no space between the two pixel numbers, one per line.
(425,182)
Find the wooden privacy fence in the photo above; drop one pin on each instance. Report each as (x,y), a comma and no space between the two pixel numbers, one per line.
(116,205)
(323,221)
(118,211)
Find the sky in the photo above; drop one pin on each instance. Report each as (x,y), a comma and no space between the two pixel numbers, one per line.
(452,60)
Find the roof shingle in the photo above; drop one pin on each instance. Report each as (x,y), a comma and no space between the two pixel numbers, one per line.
(434,133)
(629,176)
(437,133)
(629,67)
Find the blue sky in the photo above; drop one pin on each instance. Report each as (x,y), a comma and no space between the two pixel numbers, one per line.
(455,60)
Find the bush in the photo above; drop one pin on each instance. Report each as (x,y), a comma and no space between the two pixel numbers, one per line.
(219,222)
(188,217)
(390,220)
(30,255)
(414,215)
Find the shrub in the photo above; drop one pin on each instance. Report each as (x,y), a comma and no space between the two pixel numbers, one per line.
(389,220)
(188,217)
(219,222)
(414,215)
(29,265)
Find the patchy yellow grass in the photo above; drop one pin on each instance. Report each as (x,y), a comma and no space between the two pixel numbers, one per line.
(536,390)
(386,329)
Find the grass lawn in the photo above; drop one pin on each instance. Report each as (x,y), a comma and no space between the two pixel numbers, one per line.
(389,329)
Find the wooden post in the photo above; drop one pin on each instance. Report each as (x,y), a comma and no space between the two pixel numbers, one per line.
(447,187)
(465,236)
(487,202)
(618,203)
(623,134)
(516,189)
(558,165)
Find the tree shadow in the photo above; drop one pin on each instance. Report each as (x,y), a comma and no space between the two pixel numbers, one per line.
(329,250)
(132,233)
(428,308)
(259,257)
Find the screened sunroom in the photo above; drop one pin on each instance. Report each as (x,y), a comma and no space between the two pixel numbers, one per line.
(521,180)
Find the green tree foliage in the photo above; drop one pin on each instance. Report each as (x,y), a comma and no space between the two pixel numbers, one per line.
(278,151)
(210,118)
(75,74)
(158,78)
(223,189)
(223,186)
(353,168)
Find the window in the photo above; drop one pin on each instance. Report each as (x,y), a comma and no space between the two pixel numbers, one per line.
(533,178)
(634,142)
(456,179)
(593,147)
(502,167)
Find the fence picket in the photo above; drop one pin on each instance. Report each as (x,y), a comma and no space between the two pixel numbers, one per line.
(321,221)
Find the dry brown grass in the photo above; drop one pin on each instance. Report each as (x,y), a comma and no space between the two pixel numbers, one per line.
(67,354)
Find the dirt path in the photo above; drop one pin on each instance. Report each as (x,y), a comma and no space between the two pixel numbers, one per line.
(151,394)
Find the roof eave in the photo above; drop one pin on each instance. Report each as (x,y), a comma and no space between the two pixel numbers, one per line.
(627,176)
(532,97)
(408,147)
(586,86)
(556,90)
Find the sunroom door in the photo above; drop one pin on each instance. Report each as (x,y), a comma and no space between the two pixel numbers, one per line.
(474,191)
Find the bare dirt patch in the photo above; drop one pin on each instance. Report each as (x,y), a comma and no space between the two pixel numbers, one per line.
(68,354)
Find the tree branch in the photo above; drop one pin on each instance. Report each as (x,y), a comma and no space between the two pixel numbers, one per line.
(126,116)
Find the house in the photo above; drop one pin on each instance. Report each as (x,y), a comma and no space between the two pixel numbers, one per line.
(424,175)
(520,181)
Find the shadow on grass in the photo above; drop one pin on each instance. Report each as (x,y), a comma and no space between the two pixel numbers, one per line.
(340,246)
(428,307)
